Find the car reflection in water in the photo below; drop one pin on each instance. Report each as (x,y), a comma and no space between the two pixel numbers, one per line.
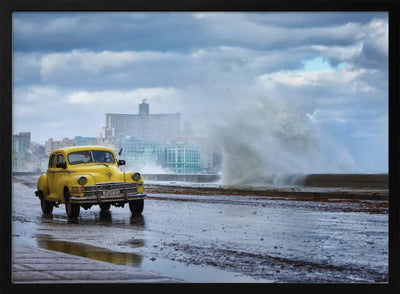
(92,252)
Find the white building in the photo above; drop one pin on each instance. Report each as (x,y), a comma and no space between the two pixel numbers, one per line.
(159,127)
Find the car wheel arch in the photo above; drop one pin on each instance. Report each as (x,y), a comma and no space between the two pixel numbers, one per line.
(43,185)
(65,190)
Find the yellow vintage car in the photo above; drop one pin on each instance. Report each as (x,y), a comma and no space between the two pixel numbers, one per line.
(82,176)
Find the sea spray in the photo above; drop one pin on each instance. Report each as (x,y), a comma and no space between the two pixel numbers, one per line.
(273,142)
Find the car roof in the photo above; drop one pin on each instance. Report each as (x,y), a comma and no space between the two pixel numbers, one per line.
(82,148)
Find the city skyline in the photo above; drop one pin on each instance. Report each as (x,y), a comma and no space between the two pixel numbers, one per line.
(291,91)
(141,131)
(150,155)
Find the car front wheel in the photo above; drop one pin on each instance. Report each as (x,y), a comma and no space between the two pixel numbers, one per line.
(47,206)
(72,209)
(136,206)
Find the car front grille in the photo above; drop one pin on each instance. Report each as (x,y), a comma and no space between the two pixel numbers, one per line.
(127,188)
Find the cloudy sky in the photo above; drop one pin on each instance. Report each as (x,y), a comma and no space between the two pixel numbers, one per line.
(309,89)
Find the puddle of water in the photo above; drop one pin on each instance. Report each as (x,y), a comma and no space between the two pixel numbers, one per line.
(187,272)
(197,273)
(89,251)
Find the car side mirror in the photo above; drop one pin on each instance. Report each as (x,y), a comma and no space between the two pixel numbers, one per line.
(121,162)
(61,165)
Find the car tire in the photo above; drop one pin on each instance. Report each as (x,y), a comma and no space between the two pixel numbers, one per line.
(136,206)
(47,206)
(105,206)
(72,209)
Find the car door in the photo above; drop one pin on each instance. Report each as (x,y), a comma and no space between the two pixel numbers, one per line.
(59,176)
(56,175)
(50,175)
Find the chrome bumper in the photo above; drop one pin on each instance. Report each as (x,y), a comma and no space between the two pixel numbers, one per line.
(108,192)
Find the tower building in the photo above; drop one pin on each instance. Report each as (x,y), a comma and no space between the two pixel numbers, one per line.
(156,127)
(144,108)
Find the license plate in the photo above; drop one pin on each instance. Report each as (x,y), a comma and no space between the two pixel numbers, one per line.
(114,192)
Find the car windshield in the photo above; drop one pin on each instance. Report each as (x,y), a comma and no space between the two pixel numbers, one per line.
(88,156)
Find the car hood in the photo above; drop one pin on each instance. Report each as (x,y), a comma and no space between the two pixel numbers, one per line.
(101,172)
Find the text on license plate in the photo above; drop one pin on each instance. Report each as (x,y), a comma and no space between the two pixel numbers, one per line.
(114,192)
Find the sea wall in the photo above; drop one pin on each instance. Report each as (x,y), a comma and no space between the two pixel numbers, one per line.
(373,181)
(368,181)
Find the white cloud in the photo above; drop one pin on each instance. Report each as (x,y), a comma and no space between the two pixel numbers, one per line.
(245,28)
(84,97)
(94,62)
(21,111)
(347,78)
(342,53)
(35,101)
(121,98)
(378,33)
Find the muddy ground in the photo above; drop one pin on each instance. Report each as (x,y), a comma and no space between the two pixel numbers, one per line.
(354,200)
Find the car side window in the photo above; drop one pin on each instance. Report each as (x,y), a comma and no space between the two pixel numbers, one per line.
(60,158)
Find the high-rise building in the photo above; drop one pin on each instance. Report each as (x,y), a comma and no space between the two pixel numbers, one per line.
(156,127)
(19,148)
(21,142)
(18,144)
(27,138)
(181,158)
(144,108)
(52,145)
(80,141)
(156,140)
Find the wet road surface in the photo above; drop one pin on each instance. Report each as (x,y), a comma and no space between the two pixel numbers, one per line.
(218,238)
(42,266)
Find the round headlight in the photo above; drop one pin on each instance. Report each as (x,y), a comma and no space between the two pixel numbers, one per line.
(136,177)
(82,181)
